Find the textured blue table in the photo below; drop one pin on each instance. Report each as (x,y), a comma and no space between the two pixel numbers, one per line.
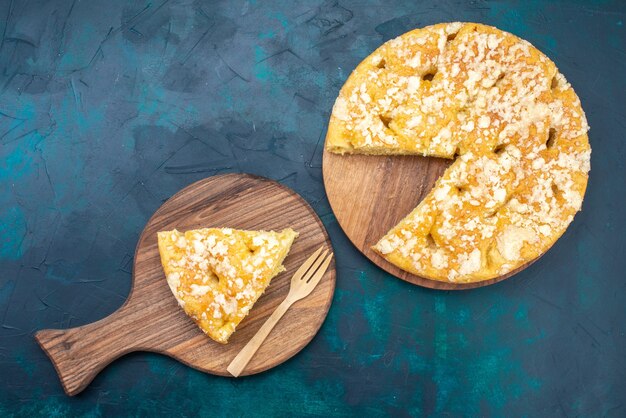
(108,108)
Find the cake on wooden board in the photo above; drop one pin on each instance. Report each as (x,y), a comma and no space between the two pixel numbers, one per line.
(513,125)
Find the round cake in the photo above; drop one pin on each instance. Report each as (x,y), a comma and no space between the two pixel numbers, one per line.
(510,121)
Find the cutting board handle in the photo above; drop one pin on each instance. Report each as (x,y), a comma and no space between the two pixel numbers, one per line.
(79,354)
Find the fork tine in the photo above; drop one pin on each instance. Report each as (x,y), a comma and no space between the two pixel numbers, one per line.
(305,266)
(314,267)
(319,273)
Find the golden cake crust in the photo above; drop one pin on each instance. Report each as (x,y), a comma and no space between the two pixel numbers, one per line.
(513,124)
(217,275)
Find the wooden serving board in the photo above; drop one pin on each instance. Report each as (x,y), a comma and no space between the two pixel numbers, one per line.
(151,320)
(370,194)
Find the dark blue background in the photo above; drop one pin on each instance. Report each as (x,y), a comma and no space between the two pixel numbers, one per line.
(108,108)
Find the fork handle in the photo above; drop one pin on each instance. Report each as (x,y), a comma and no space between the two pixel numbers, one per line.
(243,358)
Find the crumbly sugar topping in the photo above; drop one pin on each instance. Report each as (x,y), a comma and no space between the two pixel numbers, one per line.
(510,120)
(218,274)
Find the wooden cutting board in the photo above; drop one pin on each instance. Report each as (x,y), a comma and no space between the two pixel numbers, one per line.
(151,320)
(370,194)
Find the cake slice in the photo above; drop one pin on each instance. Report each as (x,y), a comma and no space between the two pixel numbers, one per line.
(218,274)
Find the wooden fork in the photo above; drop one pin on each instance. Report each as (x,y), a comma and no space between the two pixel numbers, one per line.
(302,284)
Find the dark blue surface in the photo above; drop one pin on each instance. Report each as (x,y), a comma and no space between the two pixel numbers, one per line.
(108,108)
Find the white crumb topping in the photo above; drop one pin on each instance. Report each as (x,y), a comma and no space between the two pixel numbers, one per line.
(470,263)
(439,259)
(511,240)
(199,290)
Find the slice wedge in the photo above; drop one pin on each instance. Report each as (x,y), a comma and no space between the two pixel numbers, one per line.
(217,275)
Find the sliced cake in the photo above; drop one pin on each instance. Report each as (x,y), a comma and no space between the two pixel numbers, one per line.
(217,275)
